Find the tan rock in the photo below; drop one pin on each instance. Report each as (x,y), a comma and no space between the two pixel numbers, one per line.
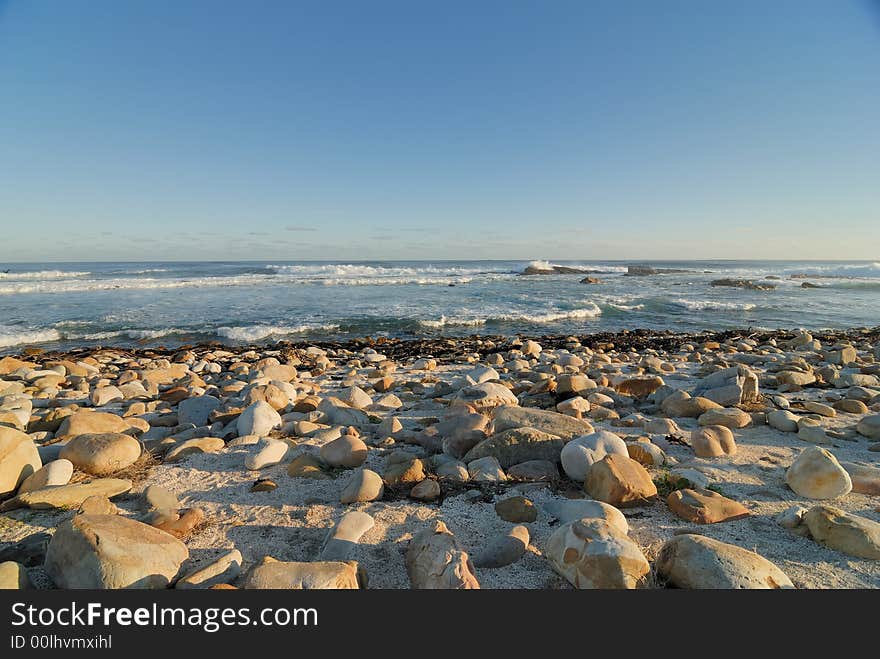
(435,560)
(844,532)
(620,481)
(591,553)
(704,506)
(19,459)
(713,442)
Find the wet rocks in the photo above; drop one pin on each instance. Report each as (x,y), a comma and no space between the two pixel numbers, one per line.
(590,553)
(110,551)
(620,481)
(816,474)
(695,561)
(101,454)
(435,560)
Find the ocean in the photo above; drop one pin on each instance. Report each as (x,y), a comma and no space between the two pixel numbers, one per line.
(65,305)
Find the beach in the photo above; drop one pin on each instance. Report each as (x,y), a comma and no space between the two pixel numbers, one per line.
(642,458)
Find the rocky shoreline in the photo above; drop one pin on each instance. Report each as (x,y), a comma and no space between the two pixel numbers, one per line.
(733,459)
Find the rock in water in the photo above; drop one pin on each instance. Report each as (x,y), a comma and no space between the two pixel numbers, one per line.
(517,445)
(580,454)
(504,550)
(620,481)
(816,474)
(435,560)
(271,574)
(258,419)
(844,532)
(695,561)
(102,454)
(19,459)
(704,506)
(591,553)
(110,551)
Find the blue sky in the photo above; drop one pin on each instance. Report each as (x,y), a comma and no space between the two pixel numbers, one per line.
(195,129)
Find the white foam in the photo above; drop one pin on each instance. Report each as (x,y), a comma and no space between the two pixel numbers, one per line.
(712,305)
(41,274)
(860,271)
(445,321)
(591,311)
(257,332)
(11,336)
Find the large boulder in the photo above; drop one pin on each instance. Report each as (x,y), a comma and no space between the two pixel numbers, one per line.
(816,474)
(869,426)
(704,506)
(580,454)
(729,386)
(271,574)
(19,459)
(461,430)
(196,410)
(695,561)
(561,425)
(517,445)
(102,454)
(485,397)
(712,441)
(435,560)
(86,422)
(111,551)
(591,553)
(259,418)
(620,481)
(844,532)
(57,472)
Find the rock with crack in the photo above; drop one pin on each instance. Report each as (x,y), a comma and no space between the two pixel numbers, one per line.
(435,560)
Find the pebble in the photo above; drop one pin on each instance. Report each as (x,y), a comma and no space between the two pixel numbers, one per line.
(516,509)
